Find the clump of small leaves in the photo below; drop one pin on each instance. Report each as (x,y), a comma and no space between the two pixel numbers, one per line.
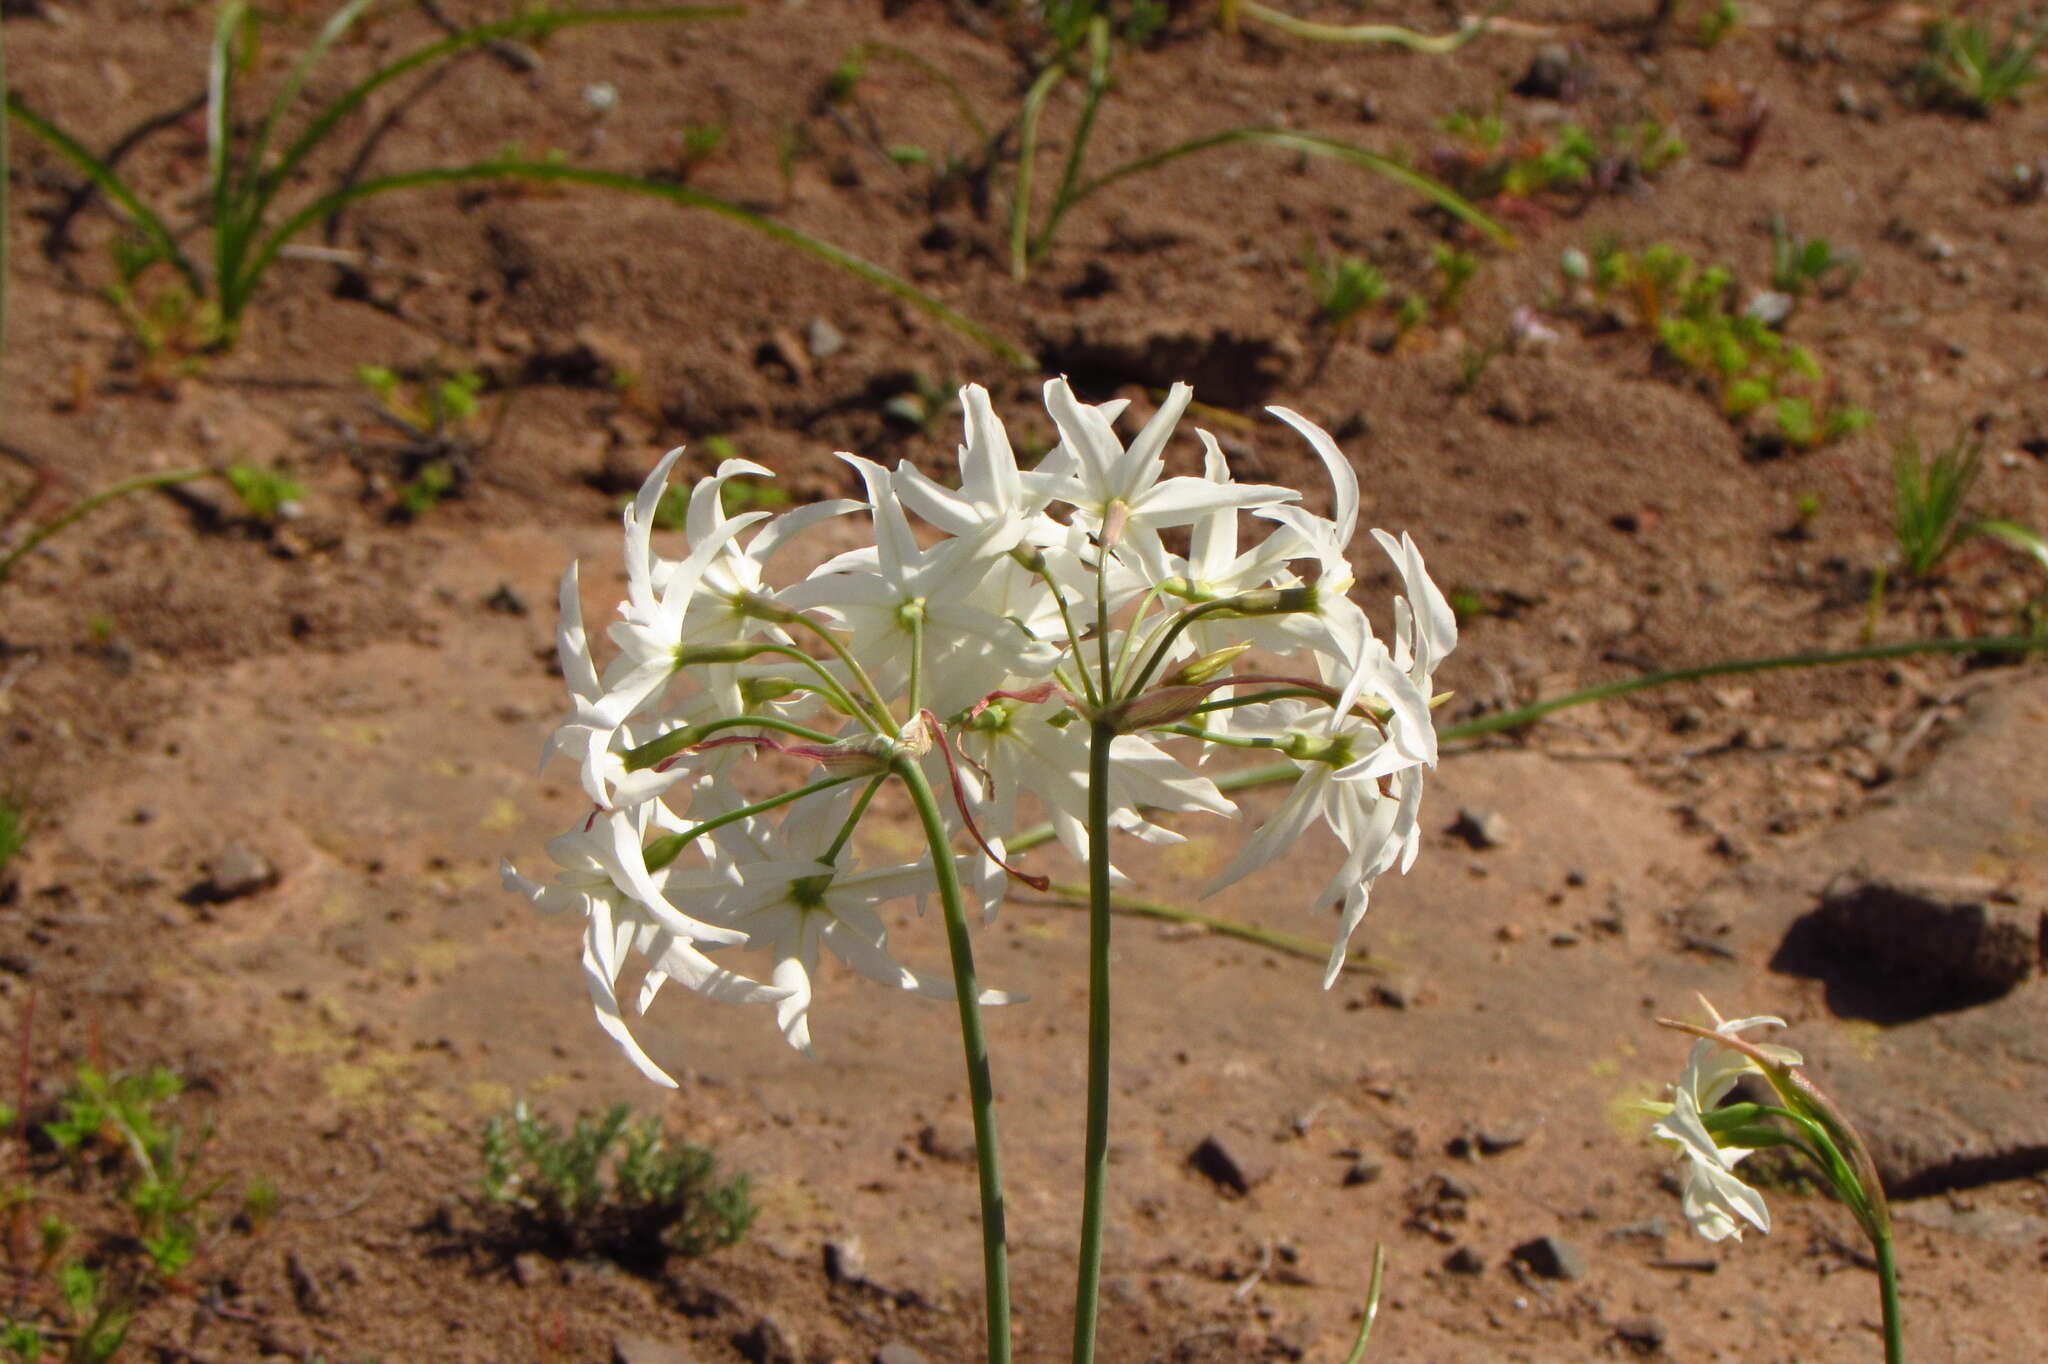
(1803,265)
(611,1187)
(118,1117)
(1749,365)
(266,494)
(1927,507)
(1343,287)
(436,413)
(1965,68)
(1490,165)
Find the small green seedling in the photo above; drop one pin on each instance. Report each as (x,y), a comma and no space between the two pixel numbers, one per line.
(266,494)
(1455,270)
(1965,69)
(695,144)
(13,838)
(1927,500)
(1803,265)
(1717,21)
(1343,286)
(609,1186)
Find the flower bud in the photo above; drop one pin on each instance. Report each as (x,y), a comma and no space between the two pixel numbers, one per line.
(1196,671)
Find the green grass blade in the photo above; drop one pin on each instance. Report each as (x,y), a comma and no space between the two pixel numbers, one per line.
(90,504)
(4,169)
(1270,773)
(2014,536)
(940,75)
(1027,152)
(679,194)
(1391,34)
(1372,1305)
(220,83)
(102,175)
(330,33)
(525,26)
(1451,201)
(1098,86)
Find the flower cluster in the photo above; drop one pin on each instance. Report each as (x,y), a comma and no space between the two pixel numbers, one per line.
(1712,1140)
(979,641)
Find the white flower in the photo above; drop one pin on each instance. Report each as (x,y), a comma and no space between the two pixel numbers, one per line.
(1715,1201)
(588,882)
(789,902)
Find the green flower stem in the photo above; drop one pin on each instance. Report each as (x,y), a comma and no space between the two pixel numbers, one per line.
(1067,620)
(1372,1305)
(1182,619)
(140,483)
(1095,1166)
(669,847)
(676,740)
(1227,740)
(1888,1288)
(995,1253)
(860,807)
(860,674)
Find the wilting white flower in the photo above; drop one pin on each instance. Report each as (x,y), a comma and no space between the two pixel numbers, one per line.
(1716,1203)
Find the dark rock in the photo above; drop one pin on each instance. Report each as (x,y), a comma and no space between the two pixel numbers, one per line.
(948,1140)
(1551,74)
(896,1352)
(634,1349)
(1228,1165)
(1644,1335)
(1482,828)
(1917,946)
(767,1342)
(1551,1257)
(1465,1260)
(507,601)
(844,1263)
(1363,1172)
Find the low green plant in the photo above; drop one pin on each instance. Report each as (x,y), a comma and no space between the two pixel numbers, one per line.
(1455,271)
(1343,286)
(610,1186)
(697,143)
(1927,507)
(1755,372)
(1492,163)
(120,1116)
(1965,68)
(1717,21)
(1802,265)
(245,176)
(264,493)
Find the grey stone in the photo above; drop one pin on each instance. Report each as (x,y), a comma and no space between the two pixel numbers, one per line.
(1482,828)
(636,1349)
(239,870)
(1550,74)
(1363,1172)
(1228,1165)
(822,339)
(1465,1260)
(896,1352)
(1551,1257)
(1644,1335)
(767,1341)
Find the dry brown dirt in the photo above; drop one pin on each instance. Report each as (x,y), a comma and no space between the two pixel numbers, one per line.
(339,694)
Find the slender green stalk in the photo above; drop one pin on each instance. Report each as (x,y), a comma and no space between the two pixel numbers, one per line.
(139,214)
(1467,30)
(676,740)
(1888,1289)
(939,74)
(1451,201)
(3,208)
(1098,86)
(1536,710)
(669,847)
(860,674)
(1372,1305)
(1095,1160)
(1073,637)
(86,506)
(1027,151)
(995,1253)
(853,817)
(681,194)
